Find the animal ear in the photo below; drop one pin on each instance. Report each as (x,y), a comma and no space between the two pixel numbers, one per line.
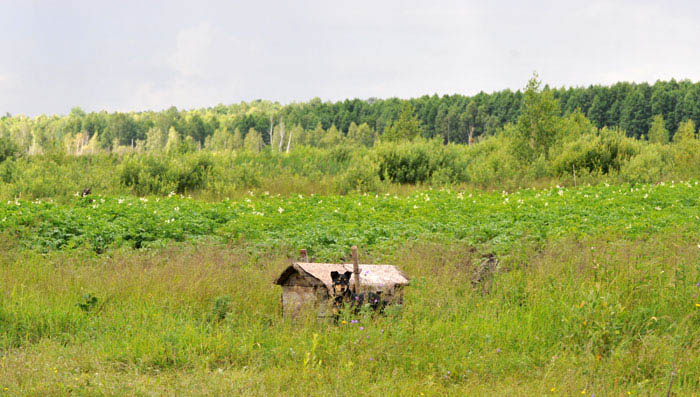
(334,276)
(348,275)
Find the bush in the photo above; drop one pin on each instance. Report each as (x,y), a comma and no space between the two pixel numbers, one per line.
(646,167)
(362,176)
(409,162)
(8,171)
(604,152)
(227,176)
(490,162)
(162,174)
(8,148)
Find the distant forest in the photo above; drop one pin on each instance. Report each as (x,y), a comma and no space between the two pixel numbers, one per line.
(627,106)
(633,133)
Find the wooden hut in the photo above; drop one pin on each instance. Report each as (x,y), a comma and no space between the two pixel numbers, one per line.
(307,284)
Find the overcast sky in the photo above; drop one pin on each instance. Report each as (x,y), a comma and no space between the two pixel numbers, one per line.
(142,55)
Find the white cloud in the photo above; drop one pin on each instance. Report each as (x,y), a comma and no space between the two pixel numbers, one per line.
(194,51)
(232,51)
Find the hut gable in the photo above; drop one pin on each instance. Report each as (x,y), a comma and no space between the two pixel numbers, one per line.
(310,284)
(372,277)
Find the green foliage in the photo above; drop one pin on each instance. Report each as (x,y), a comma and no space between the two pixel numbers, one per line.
(155,139)
(538,126)
(174,143)
(88,302)
(657,132)
(407,127)
(326,225)
(603,152)
(8,148)
(608,310)
(253,141)
(645,167)
(331,138)
(162,174)
(362,176)
(220,309)
(406,162)
(8,171)
(455,118)
(686,132)
(361,135)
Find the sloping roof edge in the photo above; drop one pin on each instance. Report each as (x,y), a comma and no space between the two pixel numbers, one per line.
(373,276)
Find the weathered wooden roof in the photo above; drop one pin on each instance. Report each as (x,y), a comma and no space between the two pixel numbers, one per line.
(371,276)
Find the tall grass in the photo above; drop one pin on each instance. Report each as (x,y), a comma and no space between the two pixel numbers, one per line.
(599,315)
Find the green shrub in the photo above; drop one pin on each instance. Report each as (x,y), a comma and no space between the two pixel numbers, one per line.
(490,162)
(8,171)
(409,162)
(220,309)
(362,176)
(647,166)
(604,152)
(8,148)
(162,174)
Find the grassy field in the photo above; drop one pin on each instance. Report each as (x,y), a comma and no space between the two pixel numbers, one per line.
(596,294)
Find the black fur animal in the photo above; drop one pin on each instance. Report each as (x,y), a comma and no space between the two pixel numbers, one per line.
(86,192)
(341,288)
(342,294)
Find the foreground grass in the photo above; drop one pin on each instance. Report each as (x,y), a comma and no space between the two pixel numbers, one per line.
(604,315)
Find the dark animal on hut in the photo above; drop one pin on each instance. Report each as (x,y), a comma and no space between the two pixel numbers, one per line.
(343,295)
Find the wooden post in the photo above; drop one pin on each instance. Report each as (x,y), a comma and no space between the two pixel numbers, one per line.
(356,269)
(573,167)
(304,255)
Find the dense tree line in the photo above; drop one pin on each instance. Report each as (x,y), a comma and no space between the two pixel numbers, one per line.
(210,151)
(456,118)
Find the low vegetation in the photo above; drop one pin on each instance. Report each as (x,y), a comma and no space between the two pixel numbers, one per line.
(601,314)
(552,248)
(595,293)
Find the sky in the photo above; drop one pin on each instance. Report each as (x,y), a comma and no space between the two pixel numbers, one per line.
(150,55)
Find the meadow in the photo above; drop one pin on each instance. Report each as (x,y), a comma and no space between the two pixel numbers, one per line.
(595,293)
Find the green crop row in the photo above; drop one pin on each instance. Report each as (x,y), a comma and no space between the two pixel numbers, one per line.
(327,225)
